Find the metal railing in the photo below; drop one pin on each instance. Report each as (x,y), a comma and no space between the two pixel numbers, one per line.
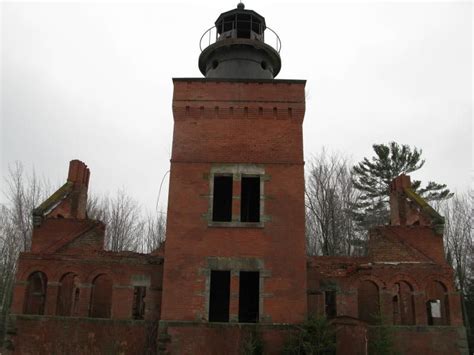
(212,36)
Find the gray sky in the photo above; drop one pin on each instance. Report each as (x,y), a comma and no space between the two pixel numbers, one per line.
(93,82)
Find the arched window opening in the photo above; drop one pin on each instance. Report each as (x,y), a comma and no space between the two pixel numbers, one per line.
(35,297)
(68,296)
(405,304)
(437,304)
(396,310)
(101,297)
(368,302)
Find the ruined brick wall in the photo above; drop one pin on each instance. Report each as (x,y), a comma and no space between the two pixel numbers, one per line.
(70,296)
(46,335)
(394,285)
(126,271)
(229,339)
(406,243)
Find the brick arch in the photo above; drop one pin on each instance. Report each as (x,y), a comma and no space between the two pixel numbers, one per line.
(380,284)
(447,283)
(403,300)
(404,277)
(34,301)
(437,290)
(67,301)
(368,299)
(58,273)
(91,275)
(29,270)
(101,296)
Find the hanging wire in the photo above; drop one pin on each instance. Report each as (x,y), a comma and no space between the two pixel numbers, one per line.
(159,192)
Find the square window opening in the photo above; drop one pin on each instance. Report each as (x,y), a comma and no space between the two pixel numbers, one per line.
(249,296)
(250,199)
(219,296)
(222,201)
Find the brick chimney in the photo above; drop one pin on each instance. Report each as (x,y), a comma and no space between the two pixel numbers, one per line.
(398,202)
(79,175)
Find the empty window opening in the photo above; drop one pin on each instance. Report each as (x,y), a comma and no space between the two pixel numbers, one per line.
(138,308)
(222,202)
(437,306)
(101,297)
(330,304)
(219,296)
(250,199)
(249,296)
(433,309)
(396,310)
(35,297)
(406,308)
(368,302)
(68,295)
(75,305)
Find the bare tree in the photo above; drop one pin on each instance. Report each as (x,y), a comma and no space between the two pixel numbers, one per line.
(23,192)
(121,215)
(330,196)
(458,238)
(9,249)
(126,226)
(154,232)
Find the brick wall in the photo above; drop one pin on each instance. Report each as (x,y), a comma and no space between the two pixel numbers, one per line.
(234,126)
(44,335)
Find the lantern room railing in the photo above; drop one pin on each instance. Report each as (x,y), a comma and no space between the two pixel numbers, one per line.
(241,30)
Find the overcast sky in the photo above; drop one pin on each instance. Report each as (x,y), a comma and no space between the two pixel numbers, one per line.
(93,82)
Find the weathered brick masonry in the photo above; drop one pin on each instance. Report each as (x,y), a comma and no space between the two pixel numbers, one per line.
(70,296)
(235,260)
(405,271)
(237,128)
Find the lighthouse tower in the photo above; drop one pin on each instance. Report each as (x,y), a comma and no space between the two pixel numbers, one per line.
(235,249)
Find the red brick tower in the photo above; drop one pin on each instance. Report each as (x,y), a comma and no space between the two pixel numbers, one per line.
(235,249)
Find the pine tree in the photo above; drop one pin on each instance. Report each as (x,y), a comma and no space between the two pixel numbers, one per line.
(372,177)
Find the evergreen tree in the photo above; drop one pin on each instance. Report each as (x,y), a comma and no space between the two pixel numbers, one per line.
(372,177)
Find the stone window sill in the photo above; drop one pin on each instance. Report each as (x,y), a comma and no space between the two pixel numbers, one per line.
(235,224)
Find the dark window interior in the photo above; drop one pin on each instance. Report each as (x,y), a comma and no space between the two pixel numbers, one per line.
(68,295)
(368,302)
(138,310)
(330,304)
(222,203)
(101,297)
(396,310)
(219,296)
(249,296)
(35,298)
(250,199)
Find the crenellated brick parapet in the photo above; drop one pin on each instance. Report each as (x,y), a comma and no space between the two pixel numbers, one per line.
(257,99)
(253,121)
